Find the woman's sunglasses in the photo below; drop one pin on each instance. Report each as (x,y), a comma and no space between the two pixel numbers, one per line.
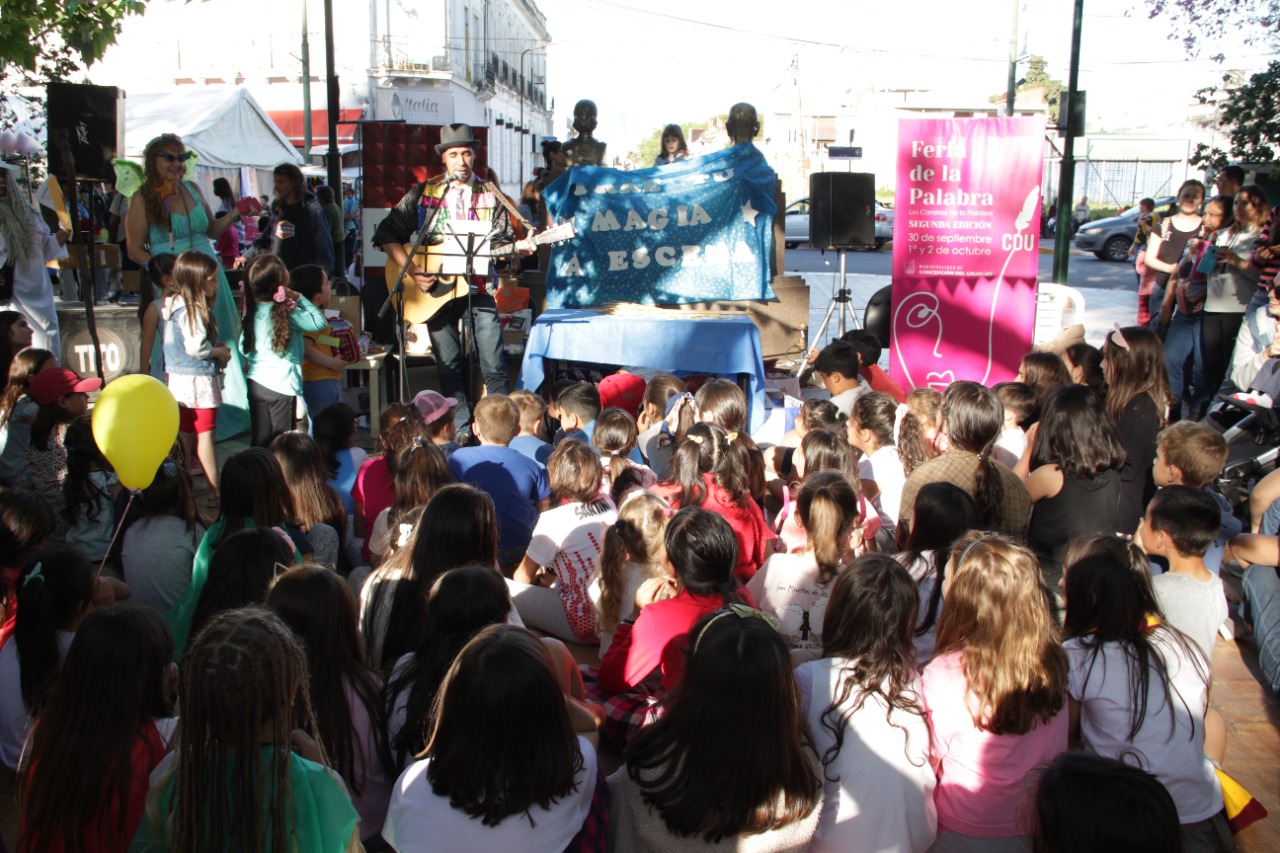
(177,158)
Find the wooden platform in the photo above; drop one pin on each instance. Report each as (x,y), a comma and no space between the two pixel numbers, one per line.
(1252,713)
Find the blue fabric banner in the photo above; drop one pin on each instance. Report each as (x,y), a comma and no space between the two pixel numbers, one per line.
(697,230)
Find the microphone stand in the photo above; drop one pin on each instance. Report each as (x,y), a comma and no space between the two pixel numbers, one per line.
(398,290)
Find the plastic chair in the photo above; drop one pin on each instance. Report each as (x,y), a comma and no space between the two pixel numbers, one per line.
(1052,311)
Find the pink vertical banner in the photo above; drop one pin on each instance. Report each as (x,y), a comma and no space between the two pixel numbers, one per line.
(966,247)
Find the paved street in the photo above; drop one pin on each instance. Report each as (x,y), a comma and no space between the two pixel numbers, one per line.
(1083,270)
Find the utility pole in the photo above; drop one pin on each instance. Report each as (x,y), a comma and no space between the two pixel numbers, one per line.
(306,88)
(1012,93)
(333,159)
(1066,179)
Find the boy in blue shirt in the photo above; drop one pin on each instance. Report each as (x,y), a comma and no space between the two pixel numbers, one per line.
(516,484)
(529,441)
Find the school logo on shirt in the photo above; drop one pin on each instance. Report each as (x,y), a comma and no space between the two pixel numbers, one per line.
(284,230)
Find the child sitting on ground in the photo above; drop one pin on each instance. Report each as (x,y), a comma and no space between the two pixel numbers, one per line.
(1019,401)
(565,549)
(633,553)
(868,347)
(614,439)
(838,365)
(62,396)
(654,442)
(90,490)
(374,489)
(795,587)
(926,405)
(1193,454)
(515,482)
(577,406)
(529,440)
(437,414)
(1180,525)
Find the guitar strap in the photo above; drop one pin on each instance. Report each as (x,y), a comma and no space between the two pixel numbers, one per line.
(506,202)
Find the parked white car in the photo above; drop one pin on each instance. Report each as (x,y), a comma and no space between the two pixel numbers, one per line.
(796,223)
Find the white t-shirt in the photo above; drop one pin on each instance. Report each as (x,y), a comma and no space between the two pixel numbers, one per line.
(787,586)
(420,821)
(569,540)
(1010,446)
(378,536)
(885,468)
(1170,742)
(14,719)
(889,807)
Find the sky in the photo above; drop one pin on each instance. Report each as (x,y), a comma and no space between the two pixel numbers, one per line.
(647,65)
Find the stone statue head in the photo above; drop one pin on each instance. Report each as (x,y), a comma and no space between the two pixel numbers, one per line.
(743,123)
(584,117)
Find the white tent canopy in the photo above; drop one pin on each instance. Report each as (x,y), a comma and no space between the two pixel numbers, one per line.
(224,125)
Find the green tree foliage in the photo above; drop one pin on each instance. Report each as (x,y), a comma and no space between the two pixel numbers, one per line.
(1196,22)
(1038,77)
(44,41)
(1249,113)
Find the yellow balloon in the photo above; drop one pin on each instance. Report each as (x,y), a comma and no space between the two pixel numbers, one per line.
(135,422)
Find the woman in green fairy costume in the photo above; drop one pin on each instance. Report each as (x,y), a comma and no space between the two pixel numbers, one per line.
(169,215)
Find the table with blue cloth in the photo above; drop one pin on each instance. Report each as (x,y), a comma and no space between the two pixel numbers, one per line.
(724,345)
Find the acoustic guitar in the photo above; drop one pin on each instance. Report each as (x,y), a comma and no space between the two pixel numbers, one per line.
(420,306)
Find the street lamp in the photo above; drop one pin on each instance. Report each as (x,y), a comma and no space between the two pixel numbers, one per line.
(522,87)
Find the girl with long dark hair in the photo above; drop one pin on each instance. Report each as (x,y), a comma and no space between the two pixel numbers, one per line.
(1138,686)
(731,762)
(1137,400)
(971,419)
(18,413)
(318,510)
(346,693)
(942,515)
(862,702)
(484,783)
(1074,483)
(100,733)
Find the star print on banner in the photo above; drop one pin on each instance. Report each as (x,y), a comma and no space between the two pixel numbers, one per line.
(697,230)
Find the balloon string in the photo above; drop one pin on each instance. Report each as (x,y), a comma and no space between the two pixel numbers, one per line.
(116,534)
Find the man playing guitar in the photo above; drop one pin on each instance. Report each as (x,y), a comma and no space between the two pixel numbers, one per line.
(457,194)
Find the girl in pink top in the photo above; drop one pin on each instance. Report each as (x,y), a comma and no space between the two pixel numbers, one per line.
(374,490)
(711,469)
(701,551)
(995,694)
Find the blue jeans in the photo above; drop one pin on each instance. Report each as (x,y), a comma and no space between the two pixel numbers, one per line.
(1182,342)
(1262,594)
(485,333)
(320,394)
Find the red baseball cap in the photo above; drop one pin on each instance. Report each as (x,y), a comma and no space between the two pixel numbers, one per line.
(48,386)
(624,390)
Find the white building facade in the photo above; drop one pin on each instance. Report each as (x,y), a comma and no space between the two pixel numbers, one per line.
(422,61)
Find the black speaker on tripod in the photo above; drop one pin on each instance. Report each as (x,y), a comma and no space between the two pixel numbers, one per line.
(92,120)
(842,210)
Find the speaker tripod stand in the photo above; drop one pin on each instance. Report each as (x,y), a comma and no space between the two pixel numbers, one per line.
(841,305)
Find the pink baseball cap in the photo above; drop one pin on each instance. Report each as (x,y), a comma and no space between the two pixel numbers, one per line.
(624,390)
(49,386)
(433,404)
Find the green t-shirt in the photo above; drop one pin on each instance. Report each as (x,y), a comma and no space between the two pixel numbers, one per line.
(321,820)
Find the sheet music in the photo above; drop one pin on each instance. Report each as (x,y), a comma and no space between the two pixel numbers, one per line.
(458,237)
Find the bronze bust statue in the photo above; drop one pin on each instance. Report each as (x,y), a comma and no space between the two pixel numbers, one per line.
(584,150)
(743,123)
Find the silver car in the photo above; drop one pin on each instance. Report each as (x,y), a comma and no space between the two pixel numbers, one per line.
(1110,239)
(796,223)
